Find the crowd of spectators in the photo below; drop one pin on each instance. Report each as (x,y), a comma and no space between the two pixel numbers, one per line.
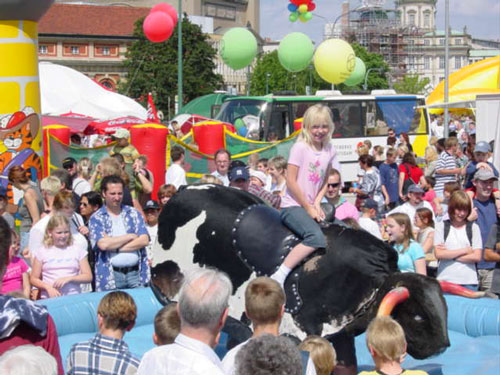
(92,228)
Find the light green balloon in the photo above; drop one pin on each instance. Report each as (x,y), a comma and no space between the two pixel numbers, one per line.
(238,48)
(293,16)
(295,52)
(358,74)
(308,16)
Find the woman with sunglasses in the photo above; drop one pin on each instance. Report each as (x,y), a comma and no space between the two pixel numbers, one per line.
(89,203)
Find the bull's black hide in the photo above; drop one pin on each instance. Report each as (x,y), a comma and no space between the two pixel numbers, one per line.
(343,285)
(222,206)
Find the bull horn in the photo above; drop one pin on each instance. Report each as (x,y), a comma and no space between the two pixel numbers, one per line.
(459,290)
(391,299)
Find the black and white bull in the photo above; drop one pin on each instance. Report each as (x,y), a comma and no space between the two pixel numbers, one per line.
(335,291)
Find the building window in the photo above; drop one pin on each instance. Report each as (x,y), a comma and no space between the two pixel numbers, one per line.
(458,42)
(75,50)
(220,11)
(427,62)
(412,42)
(458,62)
(411,18)
(427,42)
(43,50)
(441,62)
(441,42)
(427,20)
(106,51)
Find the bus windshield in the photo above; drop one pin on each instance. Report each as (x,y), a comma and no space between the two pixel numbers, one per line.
(400,114)
(247,112)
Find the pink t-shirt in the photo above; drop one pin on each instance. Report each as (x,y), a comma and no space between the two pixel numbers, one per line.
(429,197)
(13,277)
(313,166)
(57,263)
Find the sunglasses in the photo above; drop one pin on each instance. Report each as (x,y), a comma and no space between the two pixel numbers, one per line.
(84,204)
(334,185)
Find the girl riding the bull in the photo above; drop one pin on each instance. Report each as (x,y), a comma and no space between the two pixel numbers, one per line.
(310,160)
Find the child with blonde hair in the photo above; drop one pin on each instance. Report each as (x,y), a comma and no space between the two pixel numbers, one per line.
(386,342)
(321,352)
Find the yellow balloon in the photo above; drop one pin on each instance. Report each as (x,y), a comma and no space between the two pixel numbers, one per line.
(334,60)
(302,8)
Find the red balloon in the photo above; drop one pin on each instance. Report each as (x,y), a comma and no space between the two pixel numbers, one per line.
(158,27)
(296,2)
(311,6)
(166,8)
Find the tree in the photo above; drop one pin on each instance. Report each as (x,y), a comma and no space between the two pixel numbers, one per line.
(152,67)
(280,79)
(268,68)
(376,78)
(412,84)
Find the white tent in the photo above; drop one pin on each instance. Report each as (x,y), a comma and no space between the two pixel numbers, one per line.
(64,90)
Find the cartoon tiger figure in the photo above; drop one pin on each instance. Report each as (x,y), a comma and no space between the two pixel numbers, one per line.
(17,132)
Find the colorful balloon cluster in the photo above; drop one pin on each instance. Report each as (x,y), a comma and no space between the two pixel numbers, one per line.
(159,24)
(301,10)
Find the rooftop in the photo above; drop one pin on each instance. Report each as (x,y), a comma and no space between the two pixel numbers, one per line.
(70,19)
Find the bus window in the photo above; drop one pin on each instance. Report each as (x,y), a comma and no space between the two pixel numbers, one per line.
(401,115)
(279,126)
(347,118)
(247,113)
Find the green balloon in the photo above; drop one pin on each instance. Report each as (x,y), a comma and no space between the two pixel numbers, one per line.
(358,74)
(238,48)
(295,52)
(308,16)
(293,16)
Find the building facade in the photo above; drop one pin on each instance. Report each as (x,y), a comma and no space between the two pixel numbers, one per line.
(93,39)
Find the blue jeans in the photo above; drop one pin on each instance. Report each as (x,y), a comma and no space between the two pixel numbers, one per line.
(304,226)
(472,287)
(127,280)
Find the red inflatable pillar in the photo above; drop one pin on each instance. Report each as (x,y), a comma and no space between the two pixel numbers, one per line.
(209,136)
(151,140)
(62,133)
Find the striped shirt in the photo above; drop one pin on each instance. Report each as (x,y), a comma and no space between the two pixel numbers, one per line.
(445,161)
(102,355)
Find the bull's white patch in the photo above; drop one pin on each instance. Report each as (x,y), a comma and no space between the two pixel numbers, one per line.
(201,187)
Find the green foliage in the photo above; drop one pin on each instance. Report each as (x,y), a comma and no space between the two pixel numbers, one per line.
(376,79)
(280,79)
(412,84)
(152,67)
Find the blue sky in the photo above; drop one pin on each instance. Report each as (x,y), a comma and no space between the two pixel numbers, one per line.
(482,17)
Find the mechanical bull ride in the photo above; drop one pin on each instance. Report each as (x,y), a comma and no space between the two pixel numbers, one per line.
(336,291)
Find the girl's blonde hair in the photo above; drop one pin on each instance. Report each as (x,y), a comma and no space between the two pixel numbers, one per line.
(51,185)
(430,154)
(84,168)
(322,354)
(317,114)
(403,219)
(55,221)
(387,338)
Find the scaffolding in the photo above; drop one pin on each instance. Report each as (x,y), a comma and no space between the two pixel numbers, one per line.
(380,31)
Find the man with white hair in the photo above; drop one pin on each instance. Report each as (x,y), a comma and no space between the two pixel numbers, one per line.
(27,360)
(203,309)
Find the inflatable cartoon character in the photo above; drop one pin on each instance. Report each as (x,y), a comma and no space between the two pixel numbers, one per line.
(17,132)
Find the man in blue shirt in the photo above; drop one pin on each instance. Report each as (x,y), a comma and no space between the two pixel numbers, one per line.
(484,203)
(481,161)
(119,237)
(389,177)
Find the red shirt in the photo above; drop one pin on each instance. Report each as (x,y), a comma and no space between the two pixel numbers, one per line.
(415,172)
(25,335)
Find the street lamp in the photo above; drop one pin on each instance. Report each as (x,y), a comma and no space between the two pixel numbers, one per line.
(267,82)
(179,59)
(365,85)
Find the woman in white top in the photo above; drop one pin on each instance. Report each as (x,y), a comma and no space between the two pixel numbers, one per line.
(460,248)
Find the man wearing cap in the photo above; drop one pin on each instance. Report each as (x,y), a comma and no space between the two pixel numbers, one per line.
(239,178)
(151,212)
(481,162)
(70,165)
(222,159)
(414,202)
(484,204)
(366,222)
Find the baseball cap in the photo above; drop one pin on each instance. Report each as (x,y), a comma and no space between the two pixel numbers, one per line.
(68,163)
(415,189)
(239,173)
(260,175)
(121,133)
(484,174)
(370,203)
(151,205)
(482,147)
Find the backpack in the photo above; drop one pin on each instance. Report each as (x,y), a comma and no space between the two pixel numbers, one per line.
(408,182)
